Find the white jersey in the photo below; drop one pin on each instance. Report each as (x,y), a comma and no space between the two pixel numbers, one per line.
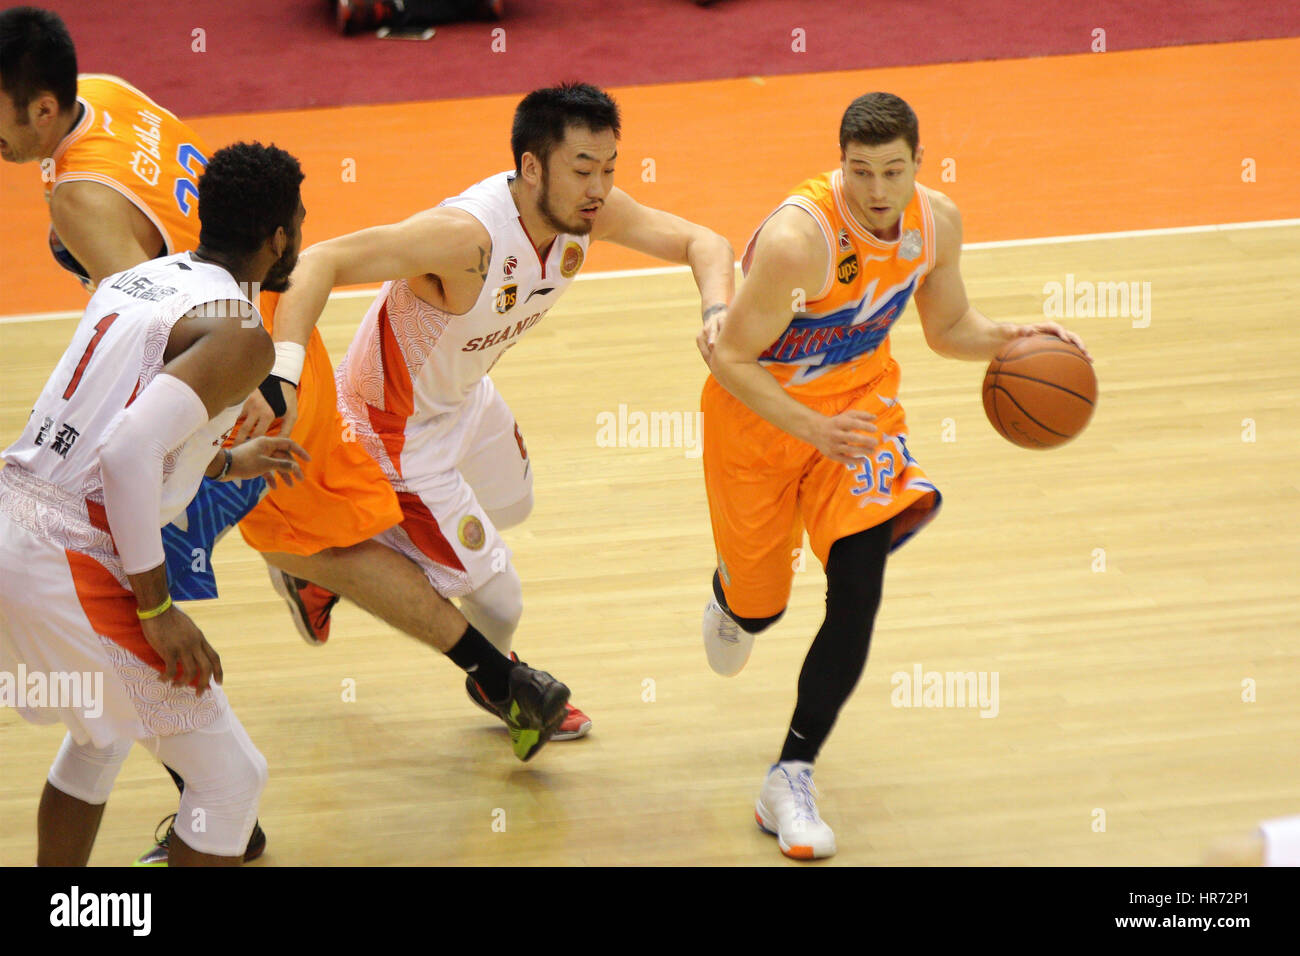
(414,363)
(116,351)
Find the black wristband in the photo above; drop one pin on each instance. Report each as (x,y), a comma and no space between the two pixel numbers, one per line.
(274,395)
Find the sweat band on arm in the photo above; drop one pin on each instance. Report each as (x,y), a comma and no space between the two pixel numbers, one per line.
(274,394)
(289,359)
(160,419)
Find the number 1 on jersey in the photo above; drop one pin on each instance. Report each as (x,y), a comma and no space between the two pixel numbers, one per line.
(101,328)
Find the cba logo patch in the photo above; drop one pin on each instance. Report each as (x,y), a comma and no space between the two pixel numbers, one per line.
(471,532)
(509,266)
(507,296)
(571,261)
(845,245)
(847,270)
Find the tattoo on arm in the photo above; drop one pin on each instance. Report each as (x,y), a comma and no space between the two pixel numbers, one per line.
(713,310)
(482,268)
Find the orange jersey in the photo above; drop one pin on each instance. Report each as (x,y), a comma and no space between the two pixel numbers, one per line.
(126,141)
(841,340)
(129,143)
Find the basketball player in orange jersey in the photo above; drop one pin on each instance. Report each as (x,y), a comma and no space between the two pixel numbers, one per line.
(463,283)
(802,425)
(121,177)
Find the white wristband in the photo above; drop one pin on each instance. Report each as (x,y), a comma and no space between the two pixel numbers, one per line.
(289,358)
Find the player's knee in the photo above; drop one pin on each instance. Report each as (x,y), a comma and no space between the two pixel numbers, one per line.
(513,514)
(217,812)
(87,772)
(496,607)
(750,625)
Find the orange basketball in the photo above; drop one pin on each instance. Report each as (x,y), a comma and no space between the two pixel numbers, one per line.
(1039,392)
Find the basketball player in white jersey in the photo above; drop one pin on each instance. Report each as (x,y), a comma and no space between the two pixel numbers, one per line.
(463,283)
(131,420)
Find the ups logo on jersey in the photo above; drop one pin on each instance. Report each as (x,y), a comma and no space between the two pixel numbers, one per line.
(847,270)
(507,296)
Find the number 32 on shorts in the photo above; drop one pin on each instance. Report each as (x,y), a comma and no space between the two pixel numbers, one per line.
(875,476)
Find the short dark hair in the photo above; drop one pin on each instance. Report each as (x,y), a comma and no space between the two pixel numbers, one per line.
(36,54)
(874,119)
(247,192)
(543,116)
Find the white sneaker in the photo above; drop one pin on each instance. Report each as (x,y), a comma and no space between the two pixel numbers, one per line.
(725,643)
(787,808)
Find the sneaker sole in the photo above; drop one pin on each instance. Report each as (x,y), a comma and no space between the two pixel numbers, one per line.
(297,610)
(768,826)
(582,731)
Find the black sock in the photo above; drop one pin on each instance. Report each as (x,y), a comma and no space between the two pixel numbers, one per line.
(176,779)
(750,625)
(475,655)
(855,571)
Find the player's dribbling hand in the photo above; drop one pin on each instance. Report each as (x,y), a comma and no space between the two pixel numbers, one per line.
(847,437)
(187,656)
(1052,328)
(269,456)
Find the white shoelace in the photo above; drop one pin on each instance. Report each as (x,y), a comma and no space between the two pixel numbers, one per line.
(804,791)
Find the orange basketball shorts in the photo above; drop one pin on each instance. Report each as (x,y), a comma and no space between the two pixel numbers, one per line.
(345,498)
(765,486)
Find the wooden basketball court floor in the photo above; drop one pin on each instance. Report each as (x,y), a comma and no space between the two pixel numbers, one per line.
(1119,690)
(1134,592)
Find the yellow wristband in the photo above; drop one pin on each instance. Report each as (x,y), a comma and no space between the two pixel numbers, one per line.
(160,609)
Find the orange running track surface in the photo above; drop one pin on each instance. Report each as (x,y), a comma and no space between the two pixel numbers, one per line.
(1040,147)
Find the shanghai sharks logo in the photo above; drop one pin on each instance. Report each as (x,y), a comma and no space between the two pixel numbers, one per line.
(821,342)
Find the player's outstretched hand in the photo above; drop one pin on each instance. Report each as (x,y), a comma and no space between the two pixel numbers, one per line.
(269,456)
(847,437)
(187,656)
(1052,328)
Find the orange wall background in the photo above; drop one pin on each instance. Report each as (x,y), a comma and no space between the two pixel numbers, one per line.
(1040,147)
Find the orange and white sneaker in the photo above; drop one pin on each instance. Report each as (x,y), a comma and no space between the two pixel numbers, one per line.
(309,605)
(787,809)
(575,724)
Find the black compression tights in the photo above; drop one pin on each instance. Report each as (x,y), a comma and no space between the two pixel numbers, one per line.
(855,572)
